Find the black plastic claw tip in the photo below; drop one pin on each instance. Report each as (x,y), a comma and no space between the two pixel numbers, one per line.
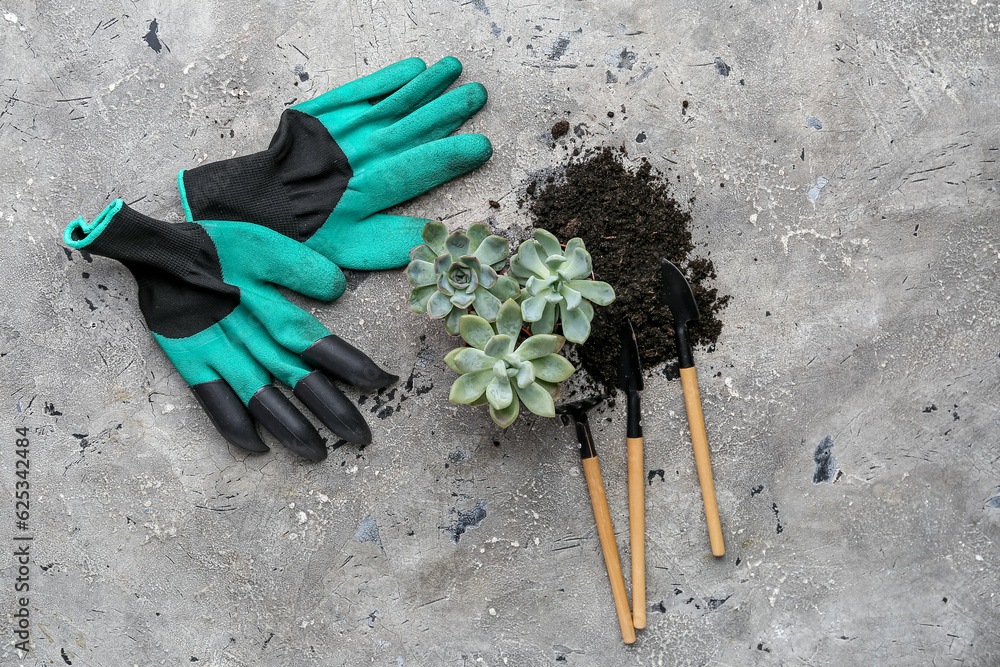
(346,363)
(229,415)
(333,408)
(277,414)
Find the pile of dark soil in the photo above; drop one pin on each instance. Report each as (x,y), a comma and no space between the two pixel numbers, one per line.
(625,214)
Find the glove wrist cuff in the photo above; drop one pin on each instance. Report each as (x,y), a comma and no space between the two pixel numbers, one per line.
(130,237)
(292,187)
(176,267)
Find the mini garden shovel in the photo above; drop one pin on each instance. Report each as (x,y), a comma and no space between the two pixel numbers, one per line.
(679,298)
(630,381)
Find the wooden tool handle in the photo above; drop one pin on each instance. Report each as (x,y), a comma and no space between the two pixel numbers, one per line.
(592,471)
(696,421)
(637,530)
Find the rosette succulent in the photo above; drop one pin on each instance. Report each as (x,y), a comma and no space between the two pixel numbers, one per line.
(558,286)
(497,371)
(451,272)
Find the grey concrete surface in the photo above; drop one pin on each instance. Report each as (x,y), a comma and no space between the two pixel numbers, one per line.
(856,231)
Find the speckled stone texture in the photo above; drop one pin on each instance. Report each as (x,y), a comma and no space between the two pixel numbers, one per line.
(851,401)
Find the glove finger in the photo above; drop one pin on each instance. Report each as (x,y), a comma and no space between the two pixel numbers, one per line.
(220,353)
(342,361)
(418,92)
(256,350)
(277,414)
(269,256)
(376,242)
(414,172)
(433,121)
(333,408)
(288,325)
(378,84)
(229,415)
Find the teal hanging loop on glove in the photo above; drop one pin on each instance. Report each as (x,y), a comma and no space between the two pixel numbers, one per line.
(208,291)
(338,160)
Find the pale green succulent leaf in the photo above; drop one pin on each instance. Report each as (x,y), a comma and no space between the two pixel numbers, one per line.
(462,300)
(573,243)
(552,368)
(475,331)
(442,263)
(499,392)
(477,232)
(551,387)
(530,261)
(575,325)
(419,296)
(518,270)
(457,244)
(548,241)
(435,234)
(599,292)
(509,319)
(480,401)
(452,321)
(538,346)
(533,308)
(420,273)
(571,297)
(547,323)
(450,359)
(424,253)
(578,264)
(506,416)
(469,387)
(492,250)
(472,262)
(486,304)
(537,399)
(505,288)
(555,263)
(444,284)
(525,375)
(488,277)
(497,346)
(438,305)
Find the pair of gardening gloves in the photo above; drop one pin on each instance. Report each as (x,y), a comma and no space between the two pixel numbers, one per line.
(292,216)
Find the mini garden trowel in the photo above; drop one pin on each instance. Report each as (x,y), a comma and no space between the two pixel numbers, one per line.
(679,298)
(602,514)
(630,381)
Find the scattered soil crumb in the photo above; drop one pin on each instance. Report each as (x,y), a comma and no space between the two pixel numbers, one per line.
(560,129)
(628,219)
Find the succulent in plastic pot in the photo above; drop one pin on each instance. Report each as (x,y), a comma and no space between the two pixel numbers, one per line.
(496,370)
(557,285)
(452,272)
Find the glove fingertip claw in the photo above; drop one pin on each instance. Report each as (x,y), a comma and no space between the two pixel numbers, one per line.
(229,415)
(346,363)
(333,408)
(277,414)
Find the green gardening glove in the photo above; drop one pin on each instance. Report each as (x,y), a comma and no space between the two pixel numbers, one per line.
(337,160)
(208,291)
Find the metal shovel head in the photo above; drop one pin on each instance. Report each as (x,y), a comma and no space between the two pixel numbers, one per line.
(629,370)
(677,294)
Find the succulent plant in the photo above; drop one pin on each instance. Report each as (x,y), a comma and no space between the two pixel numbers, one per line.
(451,272)
(554,280)
(497,371)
